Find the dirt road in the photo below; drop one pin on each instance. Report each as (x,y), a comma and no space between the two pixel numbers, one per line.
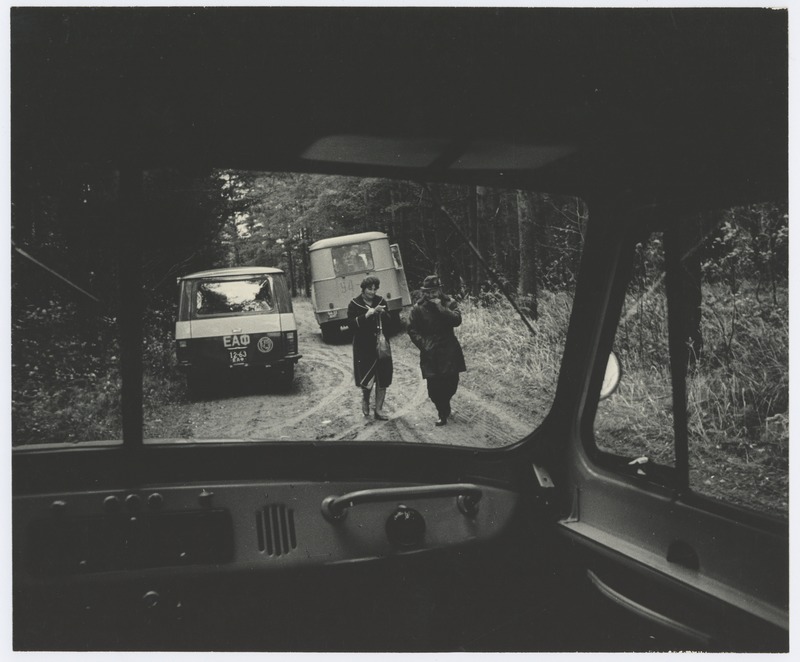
(324,403)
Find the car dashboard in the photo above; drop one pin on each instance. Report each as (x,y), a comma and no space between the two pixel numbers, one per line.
(250,526)
(272,563)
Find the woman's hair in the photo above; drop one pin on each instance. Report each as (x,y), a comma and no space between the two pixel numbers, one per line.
(370,280)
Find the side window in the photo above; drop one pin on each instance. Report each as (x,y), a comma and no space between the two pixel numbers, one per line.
(396,259)
(636,422)
(732,298)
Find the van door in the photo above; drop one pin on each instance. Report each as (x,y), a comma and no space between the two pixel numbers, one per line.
(657,531)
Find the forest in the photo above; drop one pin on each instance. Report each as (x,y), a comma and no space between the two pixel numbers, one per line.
(484,243)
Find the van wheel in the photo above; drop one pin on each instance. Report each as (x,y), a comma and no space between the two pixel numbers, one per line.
(330,332)
(286,377)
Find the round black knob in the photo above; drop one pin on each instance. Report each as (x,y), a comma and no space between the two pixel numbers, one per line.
(133,502)
(151,599)
(111,504)
(205,498)
(155,501)
(405,527)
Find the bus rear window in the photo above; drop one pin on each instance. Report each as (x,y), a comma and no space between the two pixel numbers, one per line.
(234,297)
(352,258)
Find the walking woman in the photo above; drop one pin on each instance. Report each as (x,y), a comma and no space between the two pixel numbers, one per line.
(366,315)
(430,326)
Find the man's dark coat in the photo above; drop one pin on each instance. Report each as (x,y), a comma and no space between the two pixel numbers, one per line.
(430,327)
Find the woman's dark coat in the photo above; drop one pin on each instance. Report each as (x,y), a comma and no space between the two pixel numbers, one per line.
(430,327)
(365,340)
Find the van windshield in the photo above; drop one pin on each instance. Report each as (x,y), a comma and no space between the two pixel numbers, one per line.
(233,297)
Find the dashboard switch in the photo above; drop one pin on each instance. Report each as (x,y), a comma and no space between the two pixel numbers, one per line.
(151,599)
(405,527)
(205,498)
(133,502)
(58,508)
(111,504)
(155,501)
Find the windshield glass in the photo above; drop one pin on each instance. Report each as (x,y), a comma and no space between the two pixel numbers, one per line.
(480,351)
(233,297)
(352,258)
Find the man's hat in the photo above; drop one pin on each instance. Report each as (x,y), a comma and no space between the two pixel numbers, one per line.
(431,283)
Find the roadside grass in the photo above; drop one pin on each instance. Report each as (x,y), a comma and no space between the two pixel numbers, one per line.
(737,397)
(505,360)
(738,388)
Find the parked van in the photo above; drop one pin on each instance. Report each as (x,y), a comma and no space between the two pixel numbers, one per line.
(235,319)
(339,264)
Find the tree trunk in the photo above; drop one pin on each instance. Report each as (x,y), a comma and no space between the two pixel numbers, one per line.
(528,282)
(392,214)
(290,260)
(473,271)
(443,251)
(304,255)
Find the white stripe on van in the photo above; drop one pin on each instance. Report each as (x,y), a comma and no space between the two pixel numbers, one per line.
(288,322)
(226,326)
(183,330)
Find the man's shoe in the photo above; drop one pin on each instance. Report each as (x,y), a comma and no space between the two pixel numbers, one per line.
(440,422)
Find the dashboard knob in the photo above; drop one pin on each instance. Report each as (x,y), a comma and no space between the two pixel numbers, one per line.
(205,498)
(405,527)
(151,599)
(58,508)
(111,504)
(133,502)
(155,501)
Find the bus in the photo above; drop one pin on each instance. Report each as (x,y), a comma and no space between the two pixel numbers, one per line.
(339,264)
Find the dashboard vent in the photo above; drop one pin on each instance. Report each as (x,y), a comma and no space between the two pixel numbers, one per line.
(275,527)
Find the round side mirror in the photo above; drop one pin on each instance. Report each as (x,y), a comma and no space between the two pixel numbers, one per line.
(612,377)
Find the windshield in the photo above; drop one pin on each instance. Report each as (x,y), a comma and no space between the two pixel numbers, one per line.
(233,297)
(506,262)
(352,258)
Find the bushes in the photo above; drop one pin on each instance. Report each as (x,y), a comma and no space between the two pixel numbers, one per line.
(737,395)
(65,372)
(65,376)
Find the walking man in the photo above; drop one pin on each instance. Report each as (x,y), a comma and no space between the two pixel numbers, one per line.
(430,327)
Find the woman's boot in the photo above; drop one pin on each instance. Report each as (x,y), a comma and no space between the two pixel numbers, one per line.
(365,400)
(380,396)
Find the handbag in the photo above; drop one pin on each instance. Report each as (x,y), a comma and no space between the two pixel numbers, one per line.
(384,348)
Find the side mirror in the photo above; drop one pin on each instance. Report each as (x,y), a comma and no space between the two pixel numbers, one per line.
(612,377)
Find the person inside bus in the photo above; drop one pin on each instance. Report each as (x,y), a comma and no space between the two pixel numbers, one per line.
(430,327)
(366,315)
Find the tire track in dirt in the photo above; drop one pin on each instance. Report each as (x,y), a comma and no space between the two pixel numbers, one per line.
(324,404)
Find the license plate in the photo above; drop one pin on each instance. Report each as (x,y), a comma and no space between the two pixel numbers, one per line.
(238,356)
